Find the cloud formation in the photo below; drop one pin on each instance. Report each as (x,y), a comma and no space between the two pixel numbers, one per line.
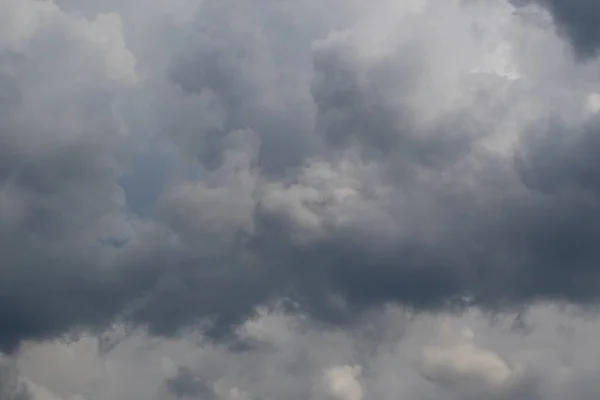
(576,20)
(422,357)
(11,388)
(180,168)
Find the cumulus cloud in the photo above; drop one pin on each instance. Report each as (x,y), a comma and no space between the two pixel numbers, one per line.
(421,357)
(467,369)
(176,167)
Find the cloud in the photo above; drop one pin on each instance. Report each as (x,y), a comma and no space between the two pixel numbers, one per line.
(333,156)
(417,356)
(341,383)
(60,157)
(468,370)
(11,387)
(186,385)
(577,21)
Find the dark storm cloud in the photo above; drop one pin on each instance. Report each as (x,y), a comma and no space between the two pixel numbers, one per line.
(498,242)
(576,20)
(59,196)
(310,168)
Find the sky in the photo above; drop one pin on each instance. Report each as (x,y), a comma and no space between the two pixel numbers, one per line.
(299,199)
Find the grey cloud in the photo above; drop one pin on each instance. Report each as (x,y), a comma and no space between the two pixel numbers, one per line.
(422,357)
(241,62)
(335,159)
(11,387)
(575,20)
(61,155)
(473,243)
(186,385)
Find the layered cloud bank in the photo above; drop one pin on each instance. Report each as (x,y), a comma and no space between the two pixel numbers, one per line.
(175,166)
(549,355)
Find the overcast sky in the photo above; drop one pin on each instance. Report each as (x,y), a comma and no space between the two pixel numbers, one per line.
(299,199)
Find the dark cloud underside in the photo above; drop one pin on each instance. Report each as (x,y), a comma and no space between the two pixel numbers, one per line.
(335,157)
(576,20)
